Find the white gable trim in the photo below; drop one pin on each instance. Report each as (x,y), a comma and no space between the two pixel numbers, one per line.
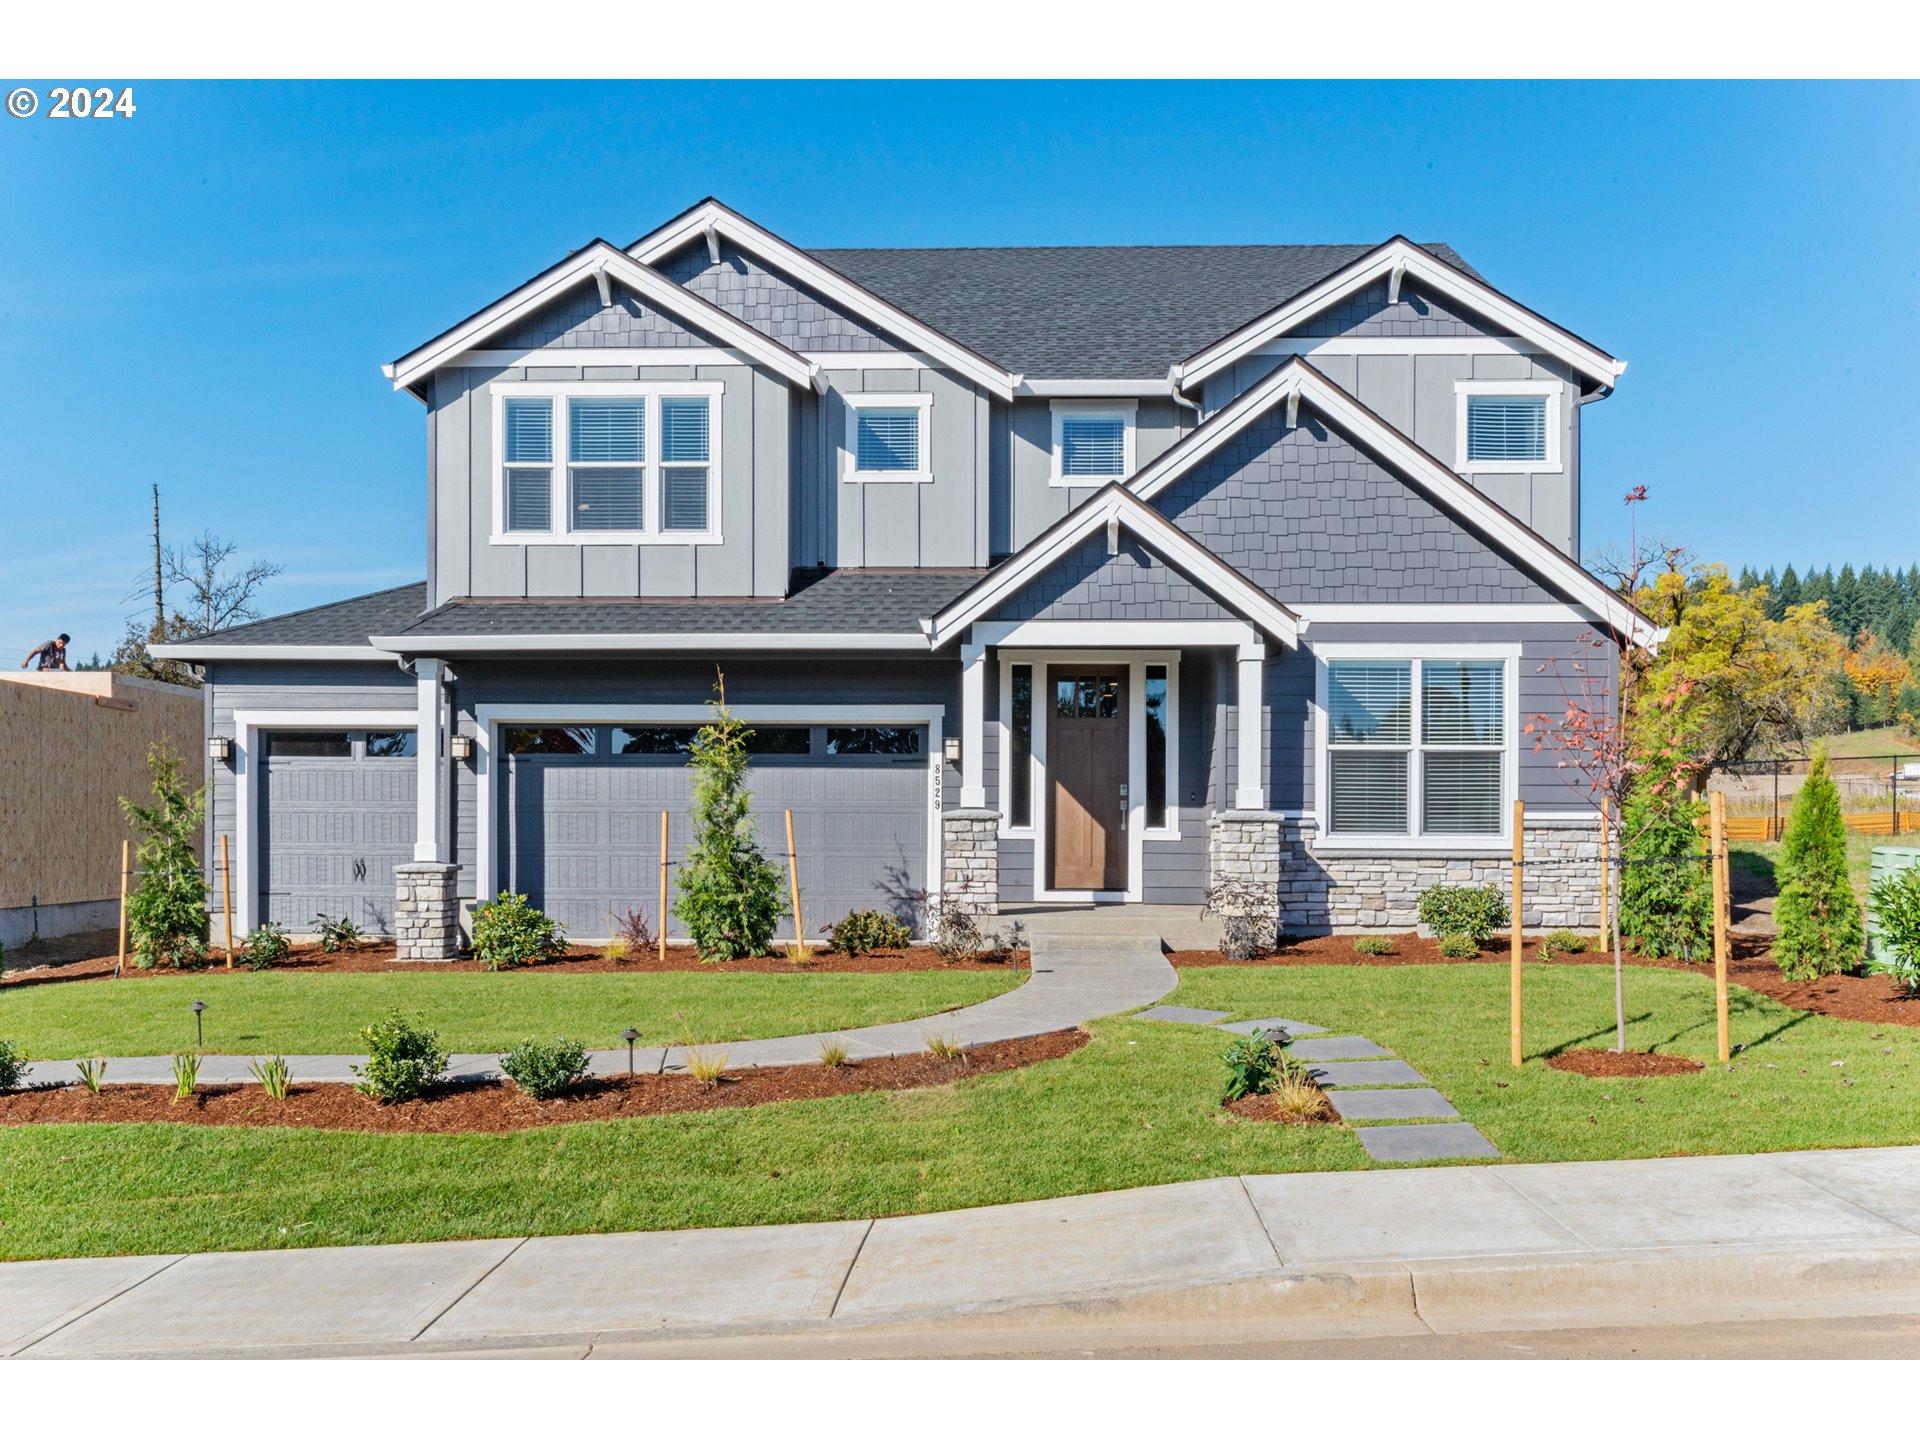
(1447,490)
(711,215)
(1117,504)
(1535,332)
(600,262)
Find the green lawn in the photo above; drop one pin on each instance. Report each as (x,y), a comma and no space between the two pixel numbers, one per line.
(295,1014)
(1136,1107)
(1882,740)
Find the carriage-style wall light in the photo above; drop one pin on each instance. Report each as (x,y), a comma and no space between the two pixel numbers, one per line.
(460,747)
(220,748)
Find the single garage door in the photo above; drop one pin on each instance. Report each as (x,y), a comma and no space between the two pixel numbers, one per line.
(337,815)
(581,816)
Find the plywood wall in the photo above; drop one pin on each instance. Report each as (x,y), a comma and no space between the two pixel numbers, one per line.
(69,750)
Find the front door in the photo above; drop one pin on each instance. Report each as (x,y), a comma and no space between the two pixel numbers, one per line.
(1087,779)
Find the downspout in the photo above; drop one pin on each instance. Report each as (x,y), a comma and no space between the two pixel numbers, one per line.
(1173,389)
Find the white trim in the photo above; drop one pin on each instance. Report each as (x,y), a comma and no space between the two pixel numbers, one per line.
(660,640)
(1523,324)
(1125,412)
(1311,345)
(1114,634)
(487,720)
(1423,613)
(1322,810)
(802,267)
(247,725)
(1154,530)
(1249,777)
(1146,388)
(686,356)
(885,400)
(1551,465)
(973,727)
(650,393)
(192,650)
(1449,490)
(430,782)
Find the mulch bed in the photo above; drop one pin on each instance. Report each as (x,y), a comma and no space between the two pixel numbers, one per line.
(1262,1107)
(494,1106)
(1609,1063)
(372,958)
(1876,999)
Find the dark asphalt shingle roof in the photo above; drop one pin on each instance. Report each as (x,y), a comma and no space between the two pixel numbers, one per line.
(1100,311)
(345,622)
(867,602)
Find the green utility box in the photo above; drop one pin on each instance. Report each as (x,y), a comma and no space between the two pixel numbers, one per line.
(1887,861)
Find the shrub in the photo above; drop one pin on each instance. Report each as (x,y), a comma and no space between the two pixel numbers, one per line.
(510,931)
(275,1076)
(186,1075)
(945,1047)
(1817,914)
(706,1066)
(730,896)
(1003,945)
(167,910)
(92,1073)
(404,1060)
(265,947)
(337,935)
(1372,945)
(956,934)
(861,931)
(545,1070)
(1257,1063)
(833,1054)
(12,1065)
(1665,909)
(1896,909)
(1562,942)
(1475,911)
(1249,915)
(1459,947)
(633,935)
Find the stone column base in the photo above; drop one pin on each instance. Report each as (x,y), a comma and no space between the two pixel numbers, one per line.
(426,911)
(970,861)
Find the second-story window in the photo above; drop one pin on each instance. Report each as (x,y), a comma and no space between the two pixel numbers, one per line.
(614,462)
(888,437)
(1092,443)
(1510,427)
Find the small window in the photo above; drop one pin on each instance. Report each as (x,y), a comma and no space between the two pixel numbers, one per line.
(606,454)
(1156,703)
(310,745)
(1507,429)
(550,740)
(780,740)
(1091,443)
(873,740)
(390,744)
(683,463)
(1020,749)
(887,437)
(653,739)
(529,465)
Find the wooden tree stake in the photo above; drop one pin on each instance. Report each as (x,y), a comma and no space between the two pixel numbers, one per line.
(126,864)
(1606,860)
(793,884)
(226,893)
(1519,841)
(1717,809)
(663,887)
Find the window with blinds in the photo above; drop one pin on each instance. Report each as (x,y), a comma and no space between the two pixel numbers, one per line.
(606,455)
(1094,446)
(683,463)
(1507,428)
(528,459)
(1449,750)
(886,441)
(634,462)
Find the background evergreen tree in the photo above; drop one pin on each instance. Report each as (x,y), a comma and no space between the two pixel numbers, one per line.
(1819,918)
(1789,590)
(167,911)
(730,896)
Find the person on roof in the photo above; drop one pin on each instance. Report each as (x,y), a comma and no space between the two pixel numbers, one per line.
(52,655)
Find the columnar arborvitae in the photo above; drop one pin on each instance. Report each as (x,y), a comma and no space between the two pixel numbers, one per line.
(730,894)
(167,909)
(1817,914)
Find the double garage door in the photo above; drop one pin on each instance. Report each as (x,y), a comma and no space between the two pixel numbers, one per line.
(336,815)
(581,811)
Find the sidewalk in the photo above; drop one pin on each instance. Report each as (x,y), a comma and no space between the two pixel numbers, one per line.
(1450,1250)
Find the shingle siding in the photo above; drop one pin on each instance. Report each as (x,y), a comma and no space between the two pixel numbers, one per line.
(578,321)
(1090,584)
(773,304)
(1416,314)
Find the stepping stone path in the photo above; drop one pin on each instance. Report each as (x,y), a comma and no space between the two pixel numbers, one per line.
(1365,1084)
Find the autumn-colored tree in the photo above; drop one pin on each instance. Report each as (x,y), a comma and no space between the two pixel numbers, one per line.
(1878,673)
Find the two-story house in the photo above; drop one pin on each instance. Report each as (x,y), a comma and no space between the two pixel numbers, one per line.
(1042,574)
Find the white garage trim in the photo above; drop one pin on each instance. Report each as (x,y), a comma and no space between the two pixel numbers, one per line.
(489,718)
(247,725)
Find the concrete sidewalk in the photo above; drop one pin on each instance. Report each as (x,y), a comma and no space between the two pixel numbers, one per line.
(1369,1253)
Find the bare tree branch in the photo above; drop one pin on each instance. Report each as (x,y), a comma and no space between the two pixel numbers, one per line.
(216,597)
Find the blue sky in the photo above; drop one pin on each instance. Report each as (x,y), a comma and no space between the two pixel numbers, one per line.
(201,295)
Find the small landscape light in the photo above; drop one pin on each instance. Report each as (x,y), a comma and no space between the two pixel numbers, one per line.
(629,1035)
(199,1008)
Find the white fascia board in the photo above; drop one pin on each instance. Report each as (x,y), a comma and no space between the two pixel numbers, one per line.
(1146,389)
(1522,323)
(1153,529)
(835,286)
(600,258)
(188,650)
(1441,484)
(675,640)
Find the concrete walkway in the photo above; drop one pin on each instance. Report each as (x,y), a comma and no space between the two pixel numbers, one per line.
(1447,1250)
(1079,973)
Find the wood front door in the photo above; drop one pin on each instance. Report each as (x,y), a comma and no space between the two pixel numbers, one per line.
(1087,779)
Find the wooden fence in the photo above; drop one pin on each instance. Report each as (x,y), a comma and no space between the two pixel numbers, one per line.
(1867,822)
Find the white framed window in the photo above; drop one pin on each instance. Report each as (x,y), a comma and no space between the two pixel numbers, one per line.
(606,462)
(1092,441)
(889,437)
(1507,427)
(1418,746)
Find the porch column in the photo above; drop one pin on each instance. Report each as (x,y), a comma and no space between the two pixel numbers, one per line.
(431,765)
(1248,791)
(973,727)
